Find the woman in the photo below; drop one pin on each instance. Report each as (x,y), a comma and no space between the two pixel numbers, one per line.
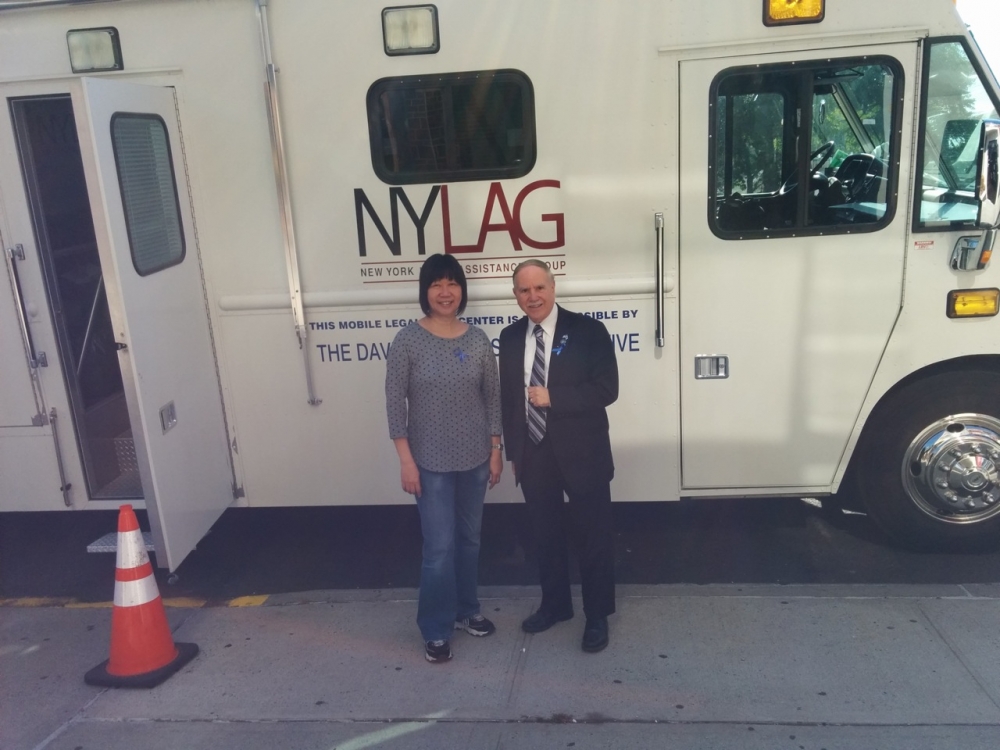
(442,396)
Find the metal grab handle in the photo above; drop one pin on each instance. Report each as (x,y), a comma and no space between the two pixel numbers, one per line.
(658,222)
(284,197)
(14,254)
(64,486)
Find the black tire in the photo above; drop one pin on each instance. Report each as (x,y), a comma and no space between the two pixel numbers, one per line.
(880,455)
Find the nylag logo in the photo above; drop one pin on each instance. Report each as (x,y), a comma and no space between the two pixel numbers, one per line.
(512,219)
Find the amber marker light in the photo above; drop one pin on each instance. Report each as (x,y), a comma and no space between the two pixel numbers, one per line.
(973,303)
(783,12)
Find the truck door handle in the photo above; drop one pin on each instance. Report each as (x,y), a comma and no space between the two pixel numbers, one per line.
(35,359)
(658,223)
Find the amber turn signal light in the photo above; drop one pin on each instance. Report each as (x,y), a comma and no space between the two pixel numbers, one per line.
(782,12)
(973,303)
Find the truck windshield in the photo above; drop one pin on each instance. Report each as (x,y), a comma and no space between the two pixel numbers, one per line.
(957,103)
(849,111)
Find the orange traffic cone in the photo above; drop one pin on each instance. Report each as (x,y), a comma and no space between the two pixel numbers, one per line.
(143,653)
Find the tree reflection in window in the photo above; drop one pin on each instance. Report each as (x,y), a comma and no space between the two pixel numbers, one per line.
(957,102)
(850,113)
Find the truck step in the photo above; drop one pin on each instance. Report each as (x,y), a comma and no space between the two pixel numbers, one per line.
(109,542)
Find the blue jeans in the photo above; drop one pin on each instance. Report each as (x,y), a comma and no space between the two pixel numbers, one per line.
(451,515)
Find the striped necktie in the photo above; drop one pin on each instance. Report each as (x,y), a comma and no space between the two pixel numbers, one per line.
(536,415)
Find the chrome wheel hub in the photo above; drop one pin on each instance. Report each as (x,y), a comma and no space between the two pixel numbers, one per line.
(951,470)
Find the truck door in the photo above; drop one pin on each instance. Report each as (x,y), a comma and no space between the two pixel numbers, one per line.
(127,302)
(792,247)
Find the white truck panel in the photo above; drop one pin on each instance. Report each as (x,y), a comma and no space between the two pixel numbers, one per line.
(817,328)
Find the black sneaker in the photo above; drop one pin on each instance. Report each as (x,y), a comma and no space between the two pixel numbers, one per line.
(437,651)
(476,625)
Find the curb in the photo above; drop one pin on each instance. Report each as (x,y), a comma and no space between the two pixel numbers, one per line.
(968,592)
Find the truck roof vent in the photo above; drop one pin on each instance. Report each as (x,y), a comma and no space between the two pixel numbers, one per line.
(410,30)
(93,50)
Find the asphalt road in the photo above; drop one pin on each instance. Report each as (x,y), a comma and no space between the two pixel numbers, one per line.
(271,551)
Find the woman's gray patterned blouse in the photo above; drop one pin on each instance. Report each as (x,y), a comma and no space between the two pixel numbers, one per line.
(444,396)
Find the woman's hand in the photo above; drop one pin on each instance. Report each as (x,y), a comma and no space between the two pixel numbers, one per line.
(496,467)
(409,474)
(410,477)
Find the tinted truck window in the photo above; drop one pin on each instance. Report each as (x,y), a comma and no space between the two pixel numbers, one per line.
(452,127)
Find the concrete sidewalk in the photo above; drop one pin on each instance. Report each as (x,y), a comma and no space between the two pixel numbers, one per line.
(692,667)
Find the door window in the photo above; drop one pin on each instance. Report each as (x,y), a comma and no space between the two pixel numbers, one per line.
(808,148)
(955,104)
(149,191)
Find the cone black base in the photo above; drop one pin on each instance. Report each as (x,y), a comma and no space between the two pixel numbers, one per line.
(99,676)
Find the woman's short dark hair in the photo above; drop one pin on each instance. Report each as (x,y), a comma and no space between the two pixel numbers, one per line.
(438,267)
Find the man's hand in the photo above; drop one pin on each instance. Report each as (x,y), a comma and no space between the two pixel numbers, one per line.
(538,396)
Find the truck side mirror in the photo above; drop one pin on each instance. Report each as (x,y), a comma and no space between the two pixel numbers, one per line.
(988,175)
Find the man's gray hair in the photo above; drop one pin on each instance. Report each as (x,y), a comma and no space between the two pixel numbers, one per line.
(537,264)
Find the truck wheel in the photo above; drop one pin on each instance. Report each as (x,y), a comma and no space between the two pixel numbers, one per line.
(929,467)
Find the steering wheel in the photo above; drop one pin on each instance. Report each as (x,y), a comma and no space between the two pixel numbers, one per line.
(824,153)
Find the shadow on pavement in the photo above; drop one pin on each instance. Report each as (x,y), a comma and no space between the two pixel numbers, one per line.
(281,550)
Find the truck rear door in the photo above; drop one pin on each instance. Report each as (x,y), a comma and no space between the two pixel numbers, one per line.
(109,286)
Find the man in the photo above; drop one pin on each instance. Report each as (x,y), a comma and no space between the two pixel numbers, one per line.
(557,374)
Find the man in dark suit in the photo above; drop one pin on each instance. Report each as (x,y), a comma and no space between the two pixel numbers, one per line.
(557,374)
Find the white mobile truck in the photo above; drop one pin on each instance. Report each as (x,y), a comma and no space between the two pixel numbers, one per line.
(213,212)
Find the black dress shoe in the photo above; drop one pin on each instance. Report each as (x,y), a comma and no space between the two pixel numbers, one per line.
(541,620)
(595,634)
